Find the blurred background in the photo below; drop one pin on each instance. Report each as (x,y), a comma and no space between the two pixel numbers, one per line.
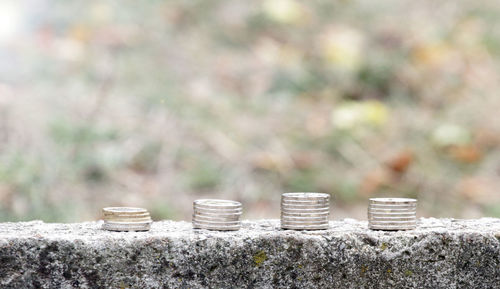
(157,103)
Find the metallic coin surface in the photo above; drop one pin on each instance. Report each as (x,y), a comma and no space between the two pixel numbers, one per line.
(305,211)
(123,210)
(301,207)
(215,214)
(304,227)
(395,201)
(304,196)
(295,218)
(307,214)
(212,222)
(323,201)
(216,210)
(215,227)
(216,218)
(126,227)
(392,214)
(215,203)
(126,219)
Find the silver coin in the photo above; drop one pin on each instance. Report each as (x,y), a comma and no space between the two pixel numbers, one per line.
(304,223)
(300,213)
(323,217)
(220,216)
(306,202)
(391,211)
(225,210)
(217,215)
(141,215)
(373,219)
(216,203)
(197,225)
(126,227)
(217,218)
(304,196)
(305,211)
(396,201)
(120,222)
(392,224)
(371,216)
(293,227)
(128,216)
(408,210)
(123,210)
(392,206)
(221,223)
(291,223)
(134,221)
(298,218)
(391,228)
(215,209)
(303,206)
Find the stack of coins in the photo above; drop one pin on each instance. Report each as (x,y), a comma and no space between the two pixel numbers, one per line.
(392,214)
(126,219)
(305,211)
(217,215)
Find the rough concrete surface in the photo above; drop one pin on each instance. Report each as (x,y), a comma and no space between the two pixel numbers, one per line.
(440,253)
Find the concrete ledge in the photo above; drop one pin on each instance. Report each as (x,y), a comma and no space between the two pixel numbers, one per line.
(441,253)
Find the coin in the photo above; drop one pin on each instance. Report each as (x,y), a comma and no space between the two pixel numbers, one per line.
(216,218)
(301,207)
(197,225)
(305,227)
(213,203)
(126,219)
(392,214)
(215,214)
(305,211)
(298,218)
(126,227)
(395,201)
(391,228)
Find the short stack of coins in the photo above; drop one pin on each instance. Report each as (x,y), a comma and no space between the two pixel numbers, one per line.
(217,215)
(392,214)
(305,211)
(126,219)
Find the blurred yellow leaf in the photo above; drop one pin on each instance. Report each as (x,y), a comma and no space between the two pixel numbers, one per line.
(353,114)
(375,113)
(284,11)
(343,47)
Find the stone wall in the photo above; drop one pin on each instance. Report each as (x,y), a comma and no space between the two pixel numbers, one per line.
(441,253)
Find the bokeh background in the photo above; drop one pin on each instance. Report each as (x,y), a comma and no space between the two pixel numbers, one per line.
(158,103)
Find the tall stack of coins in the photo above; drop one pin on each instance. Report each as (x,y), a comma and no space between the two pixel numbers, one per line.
(126,219)
(392,214)
(217,215)
(305,211)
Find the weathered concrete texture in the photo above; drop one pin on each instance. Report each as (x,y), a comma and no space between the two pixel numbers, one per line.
(441,253)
